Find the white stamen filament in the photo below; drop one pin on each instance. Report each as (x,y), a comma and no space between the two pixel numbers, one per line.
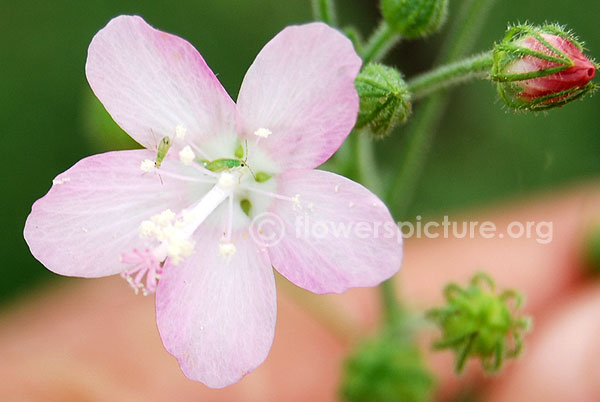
(272,195)
(186,178)
(260,134)
(180,131)
(209,203)
(175,235)
(199,151)
(229,226)
(204,170)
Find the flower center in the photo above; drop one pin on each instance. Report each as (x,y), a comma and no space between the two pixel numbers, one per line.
(169,235)
(173,233)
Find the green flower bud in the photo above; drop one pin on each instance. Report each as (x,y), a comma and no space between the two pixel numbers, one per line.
(388,368)
(414,18)
(477,322)
(539,68)
(384,99)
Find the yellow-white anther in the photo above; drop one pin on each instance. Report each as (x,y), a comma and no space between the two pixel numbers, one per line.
(187,156)
(174,232)
(178,247)
(227,181)
(164,218)
(187,216)
(147,165)
(296,205)
(147,229)
(263,132)
(226,250)
(180,131)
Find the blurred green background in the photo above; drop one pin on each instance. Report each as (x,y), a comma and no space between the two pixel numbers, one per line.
(481,154)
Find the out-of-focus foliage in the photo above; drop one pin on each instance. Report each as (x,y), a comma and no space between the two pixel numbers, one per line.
(481,153)
(388,368)
(592,250)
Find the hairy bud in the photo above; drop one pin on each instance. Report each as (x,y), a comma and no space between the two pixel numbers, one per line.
(478,322)
(384,99)
(414,18)
(539,68)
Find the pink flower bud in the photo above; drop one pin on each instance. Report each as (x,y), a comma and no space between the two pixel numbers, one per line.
(578,75)
(541,68)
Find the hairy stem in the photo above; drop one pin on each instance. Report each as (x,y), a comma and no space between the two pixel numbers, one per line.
(380,43)
(420,134)
(450,75)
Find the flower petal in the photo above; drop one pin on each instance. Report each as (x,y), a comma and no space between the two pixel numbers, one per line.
(217,316)
(301,88)
(338,234)
(151,82)
(92,213)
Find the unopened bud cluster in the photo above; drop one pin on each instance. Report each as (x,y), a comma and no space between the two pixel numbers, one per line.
(387,368)
(478,322)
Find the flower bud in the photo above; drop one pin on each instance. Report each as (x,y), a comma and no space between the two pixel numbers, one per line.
(414,18)
(384,99)
(387,368)
(538,68)
(477,322)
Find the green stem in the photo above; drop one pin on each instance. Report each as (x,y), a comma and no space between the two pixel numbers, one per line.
(390,303)
(353,34)
(450,75)
(418,141)
(324,10)
(465,31)
(367,166)
(420,134)
(380,43)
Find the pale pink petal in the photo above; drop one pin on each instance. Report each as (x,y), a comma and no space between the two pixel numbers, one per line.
(217,316)
(301,88)
(151,82)
(338,234)
(92,212)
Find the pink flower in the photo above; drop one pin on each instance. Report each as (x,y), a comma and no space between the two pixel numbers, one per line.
(185,229)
